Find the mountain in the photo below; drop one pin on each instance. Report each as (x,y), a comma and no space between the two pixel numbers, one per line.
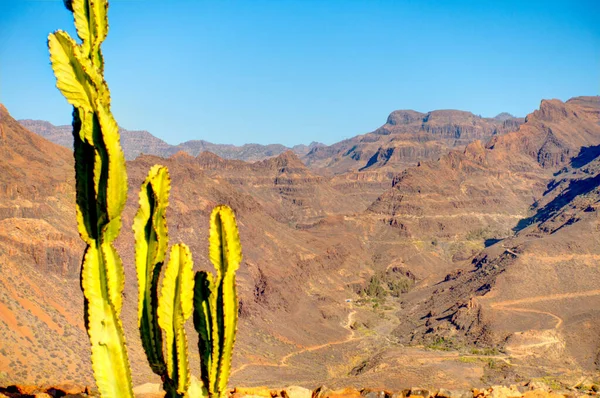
(476,267)
(406,138)
(531,197)
(136,143)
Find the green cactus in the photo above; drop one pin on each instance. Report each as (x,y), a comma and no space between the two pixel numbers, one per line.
(101,190)
(215,302)
(151,242)
(174,308)
(164,317)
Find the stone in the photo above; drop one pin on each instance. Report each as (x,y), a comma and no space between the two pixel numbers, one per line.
(66,389)
(419,392)
(296,392)
(538,385)
(479,393)
(541,394)
(368,393)
(444,393)
(504,392)
(148,390)
(252,391)
(344,393)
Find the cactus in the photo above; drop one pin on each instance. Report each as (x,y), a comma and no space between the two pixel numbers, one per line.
(101,185)
(167,315)
(101,189)
(215,302)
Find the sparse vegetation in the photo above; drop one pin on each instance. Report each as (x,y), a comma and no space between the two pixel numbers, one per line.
(375,288)
(382,284)
(552,382)
(467,359)
(400,286)
(484,351)
(441,344)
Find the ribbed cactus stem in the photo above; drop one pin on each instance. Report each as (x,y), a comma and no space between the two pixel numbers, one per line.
(162,320)
(174,308)
(101,188)
(215,302)
(151,241)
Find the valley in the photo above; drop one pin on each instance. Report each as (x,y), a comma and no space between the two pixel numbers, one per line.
(442,248)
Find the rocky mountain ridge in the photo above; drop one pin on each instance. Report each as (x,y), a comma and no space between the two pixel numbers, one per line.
(408,137)
(138,142)
(431,135)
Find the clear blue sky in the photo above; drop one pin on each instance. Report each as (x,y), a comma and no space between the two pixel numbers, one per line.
(291,72)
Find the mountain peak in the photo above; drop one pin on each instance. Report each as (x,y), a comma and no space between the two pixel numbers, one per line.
(181,155)
(404,117)
(287,159)
(552,110)
(504,116)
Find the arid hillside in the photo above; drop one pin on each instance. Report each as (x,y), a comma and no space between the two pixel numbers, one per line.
(41,325)
(476,265)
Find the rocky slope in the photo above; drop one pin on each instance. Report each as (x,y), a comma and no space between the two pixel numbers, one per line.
(487,188)
(136,143)
(40,307)
(533,294)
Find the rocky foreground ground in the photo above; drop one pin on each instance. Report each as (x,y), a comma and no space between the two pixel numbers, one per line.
(149,390)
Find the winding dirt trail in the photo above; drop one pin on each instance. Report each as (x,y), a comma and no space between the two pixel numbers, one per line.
(543,339)
(509,305)
(283,361)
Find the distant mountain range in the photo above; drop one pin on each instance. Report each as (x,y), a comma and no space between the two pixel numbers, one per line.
(406,137)
(138,142)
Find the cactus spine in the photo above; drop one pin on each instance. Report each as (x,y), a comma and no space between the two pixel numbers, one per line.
(101,189)
(215,302)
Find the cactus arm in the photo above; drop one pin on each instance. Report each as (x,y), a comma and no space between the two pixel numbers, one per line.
(151,241)
(216,337)
(226,254)
(174,308)
(70,77)
(204,288)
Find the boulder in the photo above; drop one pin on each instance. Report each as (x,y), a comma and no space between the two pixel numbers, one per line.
(296,392)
